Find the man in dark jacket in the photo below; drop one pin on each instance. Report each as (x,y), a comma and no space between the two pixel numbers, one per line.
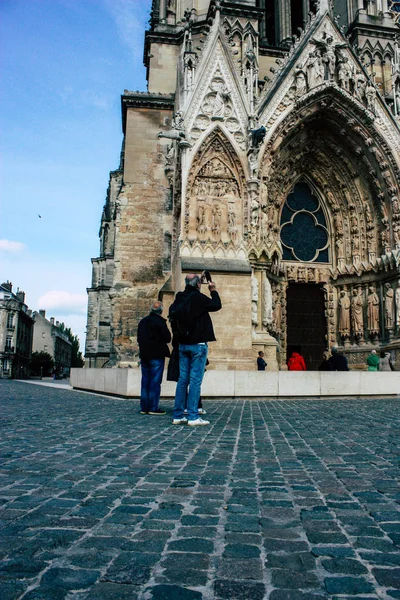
(338,361)
(193,349)
(153,336)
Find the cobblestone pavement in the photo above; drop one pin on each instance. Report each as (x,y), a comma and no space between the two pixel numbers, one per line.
(277,500)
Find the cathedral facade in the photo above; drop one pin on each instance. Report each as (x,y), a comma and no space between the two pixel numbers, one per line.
(266,150)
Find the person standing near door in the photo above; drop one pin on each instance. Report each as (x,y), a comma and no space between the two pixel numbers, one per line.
(296,362)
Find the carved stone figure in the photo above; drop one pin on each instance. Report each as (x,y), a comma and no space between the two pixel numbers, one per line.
(255,212)
(397,298)
(216,219)
(396,235)
(357,317)
(344,73)
(329,58)
(373,310)
(359,86)
(254,300)
(221,97)
(253,163)
(201,219)
(315,69)
(368,216)
(344,313)
(389,306)
(300,82)
(178,128)
(370,96)
(277,314)
(232,229)
(267,301)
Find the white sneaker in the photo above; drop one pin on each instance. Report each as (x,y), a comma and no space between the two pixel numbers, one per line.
(182,421)
(202,411)
(198,422)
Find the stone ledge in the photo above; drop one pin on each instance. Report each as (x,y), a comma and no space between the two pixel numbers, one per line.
(249,384)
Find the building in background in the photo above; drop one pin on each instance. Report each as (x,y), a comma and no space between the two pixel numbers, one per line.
(47,337)
(267,150)
(16,333)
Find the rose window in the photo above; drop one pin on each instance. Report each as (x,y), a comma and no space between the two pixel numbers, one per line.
(304,235)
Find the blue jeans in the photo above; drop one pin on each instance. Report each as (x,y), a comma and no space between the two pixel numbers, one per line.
(192,362)
(152,372)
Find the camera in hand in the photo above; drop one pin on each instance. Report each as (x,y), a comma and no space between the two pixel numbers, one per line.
(207,276)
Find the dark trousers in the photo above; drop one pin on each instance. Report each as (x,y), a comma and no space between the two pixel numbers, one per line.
(152,372)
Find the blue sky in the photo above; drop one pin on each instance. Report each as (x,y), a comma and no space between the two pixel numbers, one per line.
(64,64)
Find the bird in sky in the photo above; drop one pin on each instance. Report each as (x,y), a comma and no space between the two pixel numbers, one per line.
(40,216)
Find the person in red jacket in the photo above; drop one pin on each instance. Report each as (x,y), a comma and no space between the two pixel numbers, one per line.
(296,363)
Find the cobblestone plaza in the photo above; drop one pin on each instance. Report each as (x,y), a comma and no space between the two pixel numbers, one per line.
(276,500)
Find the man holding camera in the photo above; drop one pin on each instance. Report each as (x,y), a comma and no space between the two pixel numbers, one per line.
(193,348)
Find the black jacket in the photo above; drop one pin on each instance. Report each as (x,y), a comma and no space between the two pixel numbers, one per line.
(153,336)
(338,362)
(200,306)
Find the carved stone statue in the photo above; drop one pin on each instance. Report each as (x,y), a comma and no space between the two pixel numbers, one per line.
(359,86)
(344,73)
(277,314)
(255,212)
(300,82)
(397,298)
(201,219)
(232,229)
(344,313)
(389,306)
(373,310)
(222,94)
(357,317)
(330,58)
(370,96)
(267,301)
(253,163)
(254,300)
(178,128)
(216,219)
(315,69)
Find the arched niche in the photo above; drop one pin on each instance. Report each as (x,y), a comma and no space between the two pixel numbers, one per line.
(336,148)
(214,202)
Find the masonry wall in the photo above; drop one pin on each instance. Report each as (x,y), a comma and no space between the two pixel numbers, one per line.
(141,225)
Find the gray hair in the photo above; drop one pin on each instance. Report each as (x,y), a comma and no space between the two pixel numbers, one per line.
(192,280)
(156,307)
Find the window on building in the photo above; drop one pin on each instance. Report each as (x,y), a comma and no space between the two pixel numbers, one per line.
(43,334)
(10,320)
(296,15)
(270,22)
(6,365)
(304,234)
(45,347)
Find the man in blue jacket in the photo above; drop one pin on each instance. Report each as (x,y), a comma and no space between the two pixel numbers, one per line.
(153,337)
(193,348)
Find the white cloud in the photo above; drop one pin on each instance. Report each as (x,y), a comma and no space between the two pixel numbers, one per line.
(128,16)
(9,246)
(63,302)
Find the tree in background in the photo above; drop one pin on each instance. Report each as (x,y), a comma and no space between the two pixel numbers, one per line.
(41,363)
(76,355)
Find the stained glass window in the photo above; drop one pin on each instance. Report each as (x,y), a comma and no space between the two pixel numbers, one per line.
(304,235)
(394,8)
